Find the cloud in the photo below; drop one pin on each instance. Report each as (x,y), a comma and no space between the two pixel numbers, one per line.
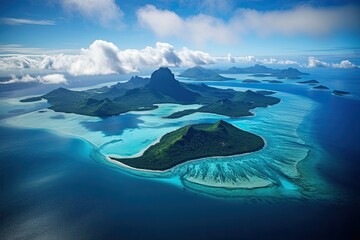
(301,20)
(200,28)
(313,62)
(253,59)
(22,21)
(344,64)
(104,57)
(105,12)
(47,79)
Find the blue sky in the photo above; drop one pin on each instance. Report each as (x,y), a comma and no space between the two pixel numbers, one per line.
(287,29)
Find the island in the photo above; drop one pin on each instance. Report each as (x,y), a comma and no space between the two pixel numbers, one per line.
(139,94)
(265,92)
(320,87)
(273,81)
(31,99)
(203,74)
(257,68)
(340,93)
(193,142)
(262,71)
(310,82)
(251,81)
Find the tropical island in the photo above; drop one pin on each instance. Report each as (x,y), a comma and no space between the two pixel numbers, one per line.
(203,74)
(339,93)
(193,142)
(310,82)
(321,87)
(140,94)
(262,71)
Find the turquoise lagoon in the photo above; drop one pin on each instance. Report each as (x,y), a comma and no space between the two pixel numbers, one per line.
(283,168)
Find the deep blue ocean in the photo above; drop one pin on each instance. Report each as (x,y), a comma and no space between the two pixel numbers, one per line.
(54,187)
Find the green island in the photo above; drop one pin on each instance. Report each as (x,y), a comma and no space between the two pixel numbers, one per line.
(321,87)
(310,82)
(262,71)
(193,142)
(340,93)
(139,94)
(203,74)
(31,99)
(251,81)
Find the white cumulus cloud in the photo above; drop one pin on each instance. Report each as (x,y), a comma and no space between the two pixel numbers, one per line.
(255,60)
(301,20)
(104,57)
(200,28)
(105,12)
(47,79)
(344,64)
(314,62)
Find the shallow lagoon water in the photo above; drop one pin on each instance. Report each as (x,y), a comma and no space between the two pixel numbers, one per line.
(275,166)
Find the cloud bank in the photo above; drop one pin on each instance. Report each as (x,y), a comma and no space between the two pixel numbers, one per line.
(22,21)
(253,59)
(47,79)
(105,58)
(313,62)
(105,12)
(301,20)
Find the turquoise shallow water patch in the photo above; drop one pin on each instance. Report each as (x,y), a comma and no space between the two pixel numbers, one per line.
(274,167)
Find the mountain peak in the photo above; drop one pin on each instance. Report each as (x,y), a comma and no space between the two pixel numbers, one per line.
(163,81)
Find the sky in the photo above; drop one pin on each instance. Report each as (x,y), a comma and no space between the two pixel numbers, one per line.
(91,37)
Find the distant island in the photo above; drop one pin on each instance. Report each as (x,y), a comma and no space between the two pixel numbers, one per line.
(321,87)
(140,94)
(193,142)
(251,81)
(263,71)
(266,92)
(273,81)
(203,74)
(310,82)
(340,93)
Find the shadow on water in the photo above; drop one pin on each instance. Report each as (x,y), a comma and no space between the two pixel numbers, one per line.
(112,126)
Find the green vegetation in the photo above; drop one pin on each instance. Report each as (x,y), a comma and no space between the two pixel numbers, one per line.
(265,92)
(142,94)
(203,74)
(251,81)
(263,71)
(321,87)
(194,142)
(238,104)
(340,93)
(309,82)
(31,99)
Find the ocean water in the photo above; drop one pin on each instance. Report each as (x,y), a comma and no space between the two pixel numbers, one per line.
(56,183)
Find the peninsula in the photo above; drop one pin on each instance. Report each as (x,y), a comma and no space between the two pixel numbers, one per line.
(193,142)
